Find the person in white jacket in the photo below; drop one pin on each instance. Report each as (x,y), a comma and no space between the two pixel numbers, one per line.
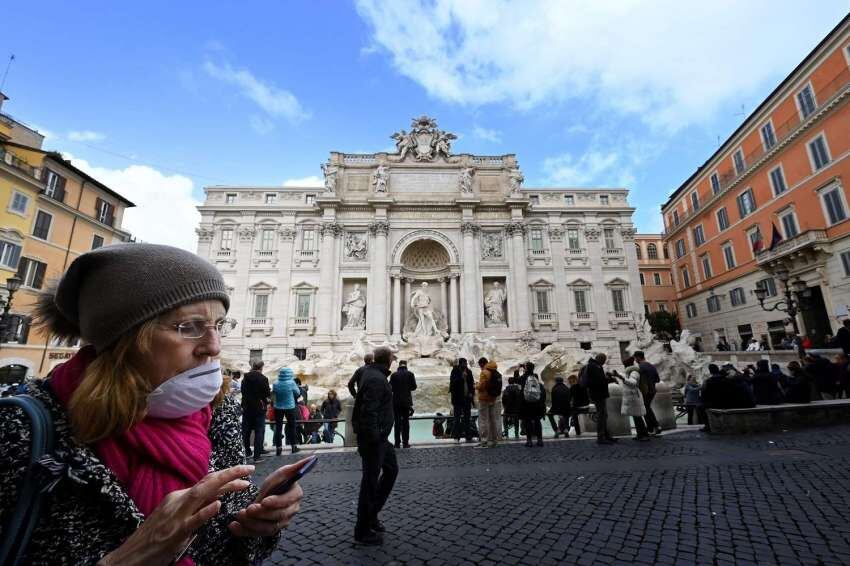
(632,405)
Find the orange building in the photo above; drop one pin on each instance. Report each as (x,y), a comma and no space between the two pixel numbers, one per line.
(68,213)
(655,274)
(769,207)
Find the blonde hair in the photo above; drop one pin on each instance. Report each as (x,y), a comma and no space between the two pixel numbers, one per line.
(112,395)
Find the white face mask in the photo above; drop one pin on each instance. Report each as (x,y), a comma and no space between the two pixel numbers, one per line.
(186,392)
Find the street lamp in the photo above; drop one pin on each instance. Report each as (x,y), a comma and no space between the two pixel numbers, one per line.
(789,305)
(12,285)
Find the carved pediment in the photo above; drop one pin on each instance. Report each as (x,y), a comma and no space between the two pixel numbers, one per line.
(617,282)
(579,282)
(262,286)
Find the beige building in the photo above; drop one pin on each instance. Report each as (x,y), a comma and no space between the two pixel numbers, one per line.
(656,277)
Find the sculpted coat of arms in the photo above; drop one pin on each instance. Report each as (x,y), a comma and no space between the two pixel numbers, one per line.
(425,141)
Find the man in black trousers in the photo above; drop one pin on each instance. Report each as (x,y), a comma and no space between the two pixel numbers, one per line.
(373,421)
(402,382)
(462,391)
(594,379)
(648,379)
(255,397)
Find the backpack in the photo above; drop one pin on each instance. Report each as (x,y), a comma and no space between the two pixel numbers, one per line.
(22,520)
(531,391)
(494,385)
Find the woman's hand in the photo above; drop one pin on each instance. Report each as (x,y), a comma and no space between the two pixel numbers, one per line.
(270,513)
(168,529)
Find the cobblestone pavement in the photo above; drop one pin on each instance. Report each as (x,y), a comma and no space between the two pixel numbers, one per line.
(681,499)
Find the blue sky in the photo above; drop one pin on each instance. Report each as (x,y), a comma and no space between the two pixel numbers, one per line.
(159,99)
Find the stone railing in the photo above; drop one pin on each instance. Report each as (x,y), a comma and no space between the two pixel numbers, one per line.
(538,253)
(583,319)
(807,238)
(359,158)
(224,253)
(488,160)
(265,253)
(13,160)
(613,252)
(576,252)
(307,323)
(308,254)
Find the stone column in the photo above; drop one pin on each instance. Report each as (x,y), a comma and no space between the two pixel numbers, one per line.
(378,281)
(397,305)
(206,234)
(444,296)
(405,305)
(453,306)
(627,233)
(325,306)
(470,270)
(520,270)
(562,303)
(284,270)
(241,303)
(600,292)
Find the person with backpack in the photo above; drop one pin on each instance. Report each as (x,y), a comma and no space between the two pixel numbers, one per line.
(403,382)
(533,405)
(594,379)
(461,389)
(286,395)
(511,404)
(148,451)
(489,406)
(560,408)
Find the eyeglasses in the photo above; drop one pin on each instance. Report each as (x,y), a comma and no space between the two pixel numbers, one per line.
(197,329)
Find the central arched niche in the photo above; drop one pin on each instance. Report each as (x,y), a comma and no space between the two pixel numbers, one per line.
(426,255)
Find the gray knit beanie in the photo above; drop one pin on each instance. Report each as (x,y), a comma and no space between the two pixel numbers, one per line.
(111,290)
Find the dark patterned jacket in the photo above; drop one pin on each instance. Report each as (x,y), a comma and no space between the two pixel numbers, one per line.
(89,514)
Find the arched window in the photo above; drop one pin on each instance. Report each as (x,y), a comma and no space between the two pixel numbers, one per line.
(651,251)
(638,252)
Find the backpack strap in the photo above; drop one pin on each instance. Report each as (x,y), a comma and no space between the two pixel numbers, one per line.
(22,521)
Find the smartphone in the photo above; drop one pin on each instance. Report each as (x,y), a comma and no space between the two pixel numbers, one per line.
(287,484)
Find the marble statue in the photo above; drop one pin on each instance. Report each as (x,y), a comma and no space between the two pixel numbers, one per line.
(403,143)
(494,305)
(420,304)
(515,179)
(491,245)
(330,172)
(675,365)
(355,246)
(425,140)
(380,179)
(464,180)
(354,309)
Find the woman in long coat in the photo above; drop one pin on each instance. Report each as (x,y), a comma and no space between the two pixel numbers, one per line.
(632,405)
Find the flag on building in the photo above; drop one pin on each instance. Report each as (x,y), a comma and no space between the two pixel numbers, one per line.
(758,242)
(776,237)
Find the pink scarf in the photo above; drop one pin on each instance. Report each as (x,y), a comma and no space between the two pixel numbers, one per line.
(154,457)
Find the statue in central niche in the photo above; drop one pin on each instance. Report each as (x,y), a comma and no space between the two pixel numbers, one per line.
(425,328)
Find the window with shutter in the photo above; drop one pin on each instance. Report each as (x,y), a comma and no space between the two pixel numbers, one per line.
(42,225)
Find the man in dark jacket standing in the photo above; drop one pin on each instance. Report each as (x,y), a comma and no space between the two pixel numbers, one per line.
(255,397)
(373,421)
(462,389)
(402,382)
(648,379)
(354,382)
(597,388)
(842,339)
(560,408)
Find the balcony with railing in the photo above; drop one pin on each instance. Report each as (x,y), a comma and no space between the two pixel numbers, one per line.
(838,87)
(612,252)
(224,253)
(810,240)
(540,320)
(579,319)
(265,324)
(307,323)
(16,162)
(616,318)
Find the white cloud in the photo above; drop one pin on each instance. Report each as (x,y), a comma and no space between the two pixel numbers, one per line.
(261,125)
(669,62)
(85,136)
(593,168)
(273,100)
(311,181)
(493,136)
(165,210)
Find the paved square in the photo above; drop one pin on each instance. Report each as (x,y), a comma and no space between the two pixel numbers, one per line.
(682,499)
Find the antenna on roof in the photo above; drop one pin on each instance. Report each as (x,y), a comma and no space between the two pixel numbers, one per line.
(741,113)
(6,72)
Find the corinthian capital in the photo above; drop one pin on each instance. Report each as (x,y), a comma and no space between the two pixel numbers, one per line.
(628,233)
(516,228)
(286,233)
(330,229)
(469,227)
(379,227)
(205,233)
